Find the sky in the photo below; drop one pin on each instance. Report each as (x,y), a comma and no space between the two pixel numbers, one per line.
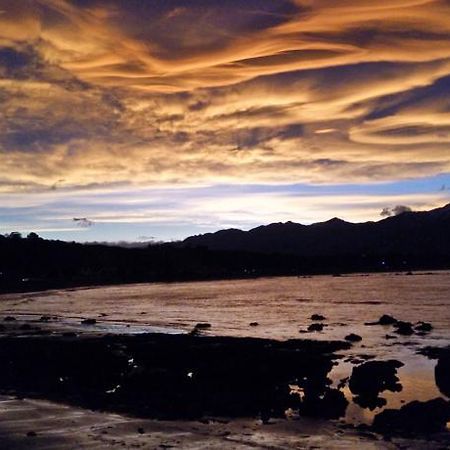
(145,120)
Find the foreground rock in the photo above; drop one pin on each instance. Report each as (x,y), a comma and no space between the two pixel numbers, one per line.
(442,373)
(352,337)
(175,376)
(415,417)
(442,369)
(371,378)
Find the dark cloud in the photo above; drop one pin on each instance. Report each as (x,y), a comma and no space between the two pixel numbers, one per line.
(247,138)
(12,61)
(395,211)
(83,222)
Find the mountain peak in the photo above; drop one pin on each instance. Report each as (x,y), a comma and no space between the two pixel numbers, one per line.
(335,221)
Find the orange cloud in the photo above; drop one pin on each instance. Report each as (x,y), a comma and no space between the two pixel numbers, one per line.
(286,91)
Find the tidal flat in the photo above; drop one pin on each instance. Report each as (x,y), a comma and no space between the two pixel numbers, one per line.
(278,362)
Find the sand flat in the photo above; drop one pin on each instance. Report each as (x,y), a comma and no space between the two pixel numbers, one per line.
(59,426)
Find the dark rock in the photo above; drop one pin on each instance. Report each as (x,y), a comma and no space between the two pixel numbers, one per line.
(31,434)
(140,430)
(389,336)
(317,317)
(199,327)
(9,319)
(202,326)
(373,377)
(45,319)
(178,376)
(415,417)
(442,372)
(423,326)
(25,327)
(254,324)
(385,319)
(316,327)
(352,337)
(89,321)
(403,328)
(330,405)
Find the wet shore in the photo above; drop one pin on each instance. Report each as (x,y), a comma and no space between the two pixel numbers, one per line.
(211,380)
(329,362)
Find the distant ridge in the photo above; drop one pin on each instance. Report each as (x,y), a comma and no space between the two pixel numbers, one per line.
(424,232)
(407,242)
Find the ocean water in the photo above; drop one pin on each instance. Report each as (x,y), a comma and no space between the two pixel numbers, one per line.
(282,307)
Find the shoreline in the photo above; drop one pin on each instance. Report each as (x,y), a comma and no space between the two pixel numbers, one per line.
(75,286)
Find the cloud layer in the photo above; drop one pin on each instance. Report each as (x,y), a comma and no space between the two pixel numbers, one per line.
(96,94)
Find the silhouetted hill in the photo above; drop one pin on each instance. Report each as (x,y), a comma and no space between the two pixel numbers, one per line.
(410,233)
(409,241)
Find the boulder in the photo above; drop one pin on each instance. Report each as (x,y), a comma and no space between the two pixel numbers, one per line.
(403,328)
(415,417)
(352,337)
(442,372)
(317,317)
(202,326)
(423,326)
(373,377)
(316,327)
(385,319)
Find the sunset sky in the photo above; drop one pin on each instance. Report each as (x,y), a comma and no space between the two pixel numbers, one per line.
(158,119)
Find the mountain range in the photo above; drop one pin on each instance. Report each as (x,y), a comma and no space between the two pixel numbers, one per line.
(409,233)
(406,242)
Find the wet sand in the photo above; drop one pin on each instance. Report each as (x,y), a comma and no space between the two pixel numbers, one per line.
(58,426)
